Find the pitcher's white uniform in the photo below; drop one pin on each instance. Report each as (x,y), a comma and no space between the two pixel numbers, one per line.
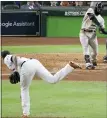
(89,38)
(27,69)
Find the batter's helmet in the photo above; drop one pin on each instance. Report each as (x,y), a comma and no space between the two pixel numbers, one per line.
(4,53)
(99,7)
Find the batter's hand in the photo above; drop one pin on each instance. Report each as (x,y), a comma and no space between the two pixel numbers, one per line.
(102,30)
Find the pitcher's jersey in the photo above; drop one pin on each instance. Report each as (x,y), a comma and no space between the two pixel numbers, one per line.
(10,64)
(88,24)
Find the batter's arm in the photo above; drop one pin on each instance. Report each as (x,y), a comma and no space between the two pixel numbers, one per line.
(94,19)
(103,30)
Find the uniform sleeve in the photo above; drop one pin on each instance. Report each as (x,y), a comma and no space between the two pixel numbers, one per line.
(9,63)
(101,21)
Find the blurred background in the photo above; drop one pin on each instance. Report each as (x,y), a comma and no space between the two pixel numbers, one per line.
(45,18)
(36,4)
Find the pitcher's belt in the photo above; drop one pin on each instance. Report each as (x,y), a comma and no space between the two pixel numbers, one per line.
(24,62)
(88,30)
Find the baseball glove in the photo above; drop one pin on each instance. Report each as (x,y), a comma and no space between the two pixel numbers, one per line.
(14,77)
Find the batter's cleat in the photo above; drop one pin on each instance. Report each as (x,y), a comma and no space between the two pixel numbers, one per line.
(94,63)
(74,65)
(89,66)
(25,116)
(105,59)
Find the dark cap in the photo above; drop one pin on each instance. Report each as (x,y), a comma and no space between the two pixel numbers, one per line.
(99,8)
(4,53)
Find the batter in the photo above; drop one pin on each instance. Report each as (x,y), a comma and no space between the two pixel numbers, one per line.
(88,37)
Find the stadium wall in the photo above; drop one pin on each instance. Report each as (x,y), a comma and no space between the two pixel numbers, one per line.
(65,26)
(44,22)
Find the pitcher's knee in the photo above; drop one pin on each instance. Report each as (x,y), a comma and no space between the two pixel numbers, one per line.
(52,80)
(24,88)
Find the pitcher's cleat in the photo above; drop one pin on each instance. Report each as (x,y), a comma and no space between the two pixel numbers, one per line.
(74,65)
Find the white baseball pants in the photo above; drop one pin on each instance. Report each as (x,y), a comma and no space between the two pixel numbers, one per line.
(86,42)
(29,70)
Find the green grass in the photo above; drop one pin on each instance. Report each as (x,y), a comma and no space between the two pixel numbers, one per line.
(66,26)
(66,98)
(69,99)
(49,49)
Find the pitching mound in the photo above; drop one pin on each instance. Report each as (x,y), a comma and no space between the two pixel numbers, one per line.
(54,62)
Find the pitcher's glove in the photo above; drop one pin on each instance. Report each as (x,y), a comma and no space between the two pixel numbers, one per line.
(14,77)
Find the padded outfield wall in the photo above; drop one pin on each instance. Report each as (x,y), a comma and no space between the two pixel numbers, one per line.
(45,22)
(61,26)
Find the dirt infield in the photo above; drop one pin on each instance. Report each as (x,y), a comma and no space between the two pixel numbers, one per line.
(42,41)
(53,62)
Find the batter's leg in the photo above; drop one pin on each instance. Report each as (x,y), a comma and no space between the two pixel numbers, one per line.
(94,45)
(85,45)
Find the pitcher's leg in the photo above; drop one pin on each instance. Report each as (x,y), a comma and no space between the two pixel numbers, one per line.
(43,73)
(25,82)
(63,73)
(25,100)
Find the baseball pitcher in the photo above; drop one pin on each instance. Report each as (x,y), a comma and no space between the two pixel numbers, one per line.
(24,70)
(88,37)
